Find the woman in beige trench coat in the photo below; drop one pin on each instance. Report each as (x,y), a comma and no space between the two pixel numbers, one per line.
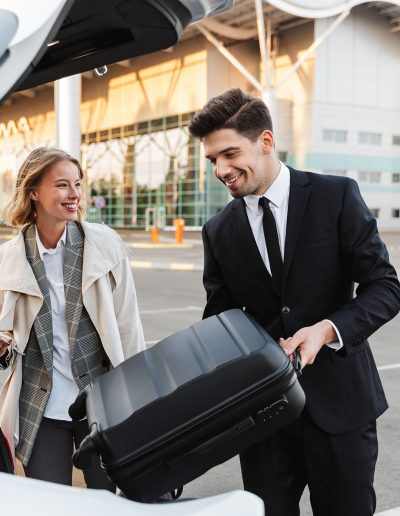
(68,314)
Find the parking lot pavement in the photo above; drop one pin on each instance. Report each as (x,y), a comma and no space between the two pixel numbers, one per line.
(171,297)
(188,256)
(166,254)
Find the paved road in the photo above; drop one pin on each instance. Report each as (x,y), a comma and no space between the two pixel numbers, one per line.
(171,297)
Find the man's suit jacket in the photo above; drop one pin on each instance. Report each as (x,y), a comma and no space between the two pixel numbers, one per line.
(331,243)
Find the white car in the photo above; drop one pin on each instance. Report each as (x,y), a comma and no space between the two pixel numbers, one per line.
(44,40)
(35,497)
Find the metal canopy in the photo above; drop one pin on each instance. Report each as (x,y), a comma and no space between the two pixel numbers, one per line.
(242,21)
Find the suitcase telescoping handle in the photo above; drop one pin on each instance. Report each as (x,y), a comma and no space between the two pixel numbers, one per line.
(77,410)
(82,458)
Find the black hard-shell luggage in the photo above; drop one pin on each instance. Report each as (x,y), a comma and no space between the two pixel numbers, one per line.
(192,401)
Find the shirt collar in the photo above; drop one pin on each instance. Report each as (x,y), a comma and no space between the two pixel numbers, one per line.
(41,248)
(276,193)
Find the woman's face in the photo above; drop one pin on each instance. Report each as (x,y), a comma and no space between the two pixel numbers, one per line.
(58,194)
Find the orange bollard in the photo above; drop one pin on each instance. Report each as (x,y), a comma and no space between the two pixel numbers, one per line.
(154,235)
(179,229)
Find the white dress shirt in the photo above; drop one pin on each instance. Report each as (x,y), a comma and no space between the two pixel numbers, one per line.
(64,388)
(278,196)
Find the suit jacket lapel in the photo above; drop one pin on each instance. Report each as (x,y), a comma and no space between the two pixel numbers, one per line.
(43,323)
(73,260)
(298,199)
(248,243)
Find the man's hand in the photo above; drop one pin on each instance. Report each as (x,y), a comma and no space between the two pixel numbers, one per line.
(308,341)
(4,343)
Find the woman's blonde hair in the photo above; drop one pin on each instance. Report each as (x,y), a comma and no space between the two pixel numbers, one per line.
(21,209)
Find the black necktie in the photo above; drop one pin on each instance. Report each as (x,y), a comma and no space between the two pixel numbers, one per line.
(272,241)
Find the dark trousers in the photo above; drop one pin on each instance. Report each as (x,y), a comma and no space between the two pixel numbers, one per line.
(339,470)
(52,452)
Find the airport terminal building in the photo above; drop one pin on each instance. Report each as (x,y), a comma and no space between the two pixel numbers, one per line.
(333,84)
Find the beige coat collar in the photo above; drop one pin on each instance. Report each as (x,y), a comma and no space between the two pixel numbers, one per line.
(16,272)
(103,251)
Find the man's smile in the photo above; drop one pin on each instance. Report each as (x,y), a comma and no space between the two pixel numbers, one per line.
(232,180)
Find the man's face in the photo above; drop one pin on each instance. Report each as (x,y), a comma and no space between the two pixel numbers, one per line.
(242,165)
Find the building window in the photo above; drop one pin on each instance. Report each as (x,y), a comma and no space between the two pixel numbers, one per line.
(396,139)
(370,138)
(369,177)
(150,172)
(375,212)
(334,135)
(396,177)
(396,213)
(334,172)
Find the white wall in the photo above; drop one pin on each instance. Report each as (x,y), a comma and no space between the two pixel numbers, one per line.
(357,88)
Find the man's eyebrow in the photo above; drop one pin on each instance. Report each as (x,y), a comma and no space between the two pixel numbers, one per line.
(222,151)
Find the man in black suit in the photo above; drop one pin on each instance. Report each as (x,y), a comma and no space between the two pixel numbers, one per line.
(295,273)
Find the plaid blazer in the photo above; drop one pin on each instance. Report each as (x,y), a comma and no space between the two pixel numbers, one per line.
(88,358)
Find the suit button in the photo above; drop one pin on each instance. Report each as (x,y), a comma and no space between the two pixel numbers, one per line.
(285,310)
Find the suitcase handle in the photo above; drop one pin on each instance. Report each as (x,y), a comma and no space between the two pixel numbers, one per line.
(205,447)
(77,410)
(82,458)
(296,362)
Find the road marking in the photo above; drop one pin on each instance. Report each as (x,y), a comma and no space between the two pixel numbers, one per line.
(162,310)
(169,245)
(182,267)
(141,265)
(170,266)
(390,366)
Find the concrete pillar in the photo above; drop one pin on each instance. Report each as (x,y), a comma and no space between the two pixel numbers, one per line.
(67,100)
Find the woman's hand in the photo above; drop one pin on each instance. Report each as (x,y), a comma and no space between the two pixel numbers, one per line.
(4,343)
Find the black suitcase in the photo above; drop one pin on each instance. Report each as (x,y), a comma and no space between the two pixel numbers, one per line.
(192,401)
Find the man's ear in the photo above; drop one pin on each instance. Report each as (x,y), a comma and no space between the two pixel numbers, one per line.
(267,141)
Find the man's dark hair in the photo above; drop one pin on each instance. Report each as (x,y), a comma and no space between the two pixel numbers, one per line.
(247,115)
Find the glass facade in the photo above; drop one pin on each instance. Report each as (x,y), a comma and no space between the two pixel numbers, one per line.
(149,173)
